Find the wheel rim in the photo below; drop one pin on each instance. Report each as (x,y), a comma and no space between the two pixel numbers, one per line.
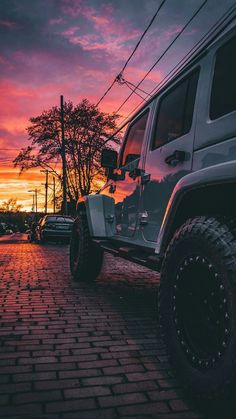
(201,312)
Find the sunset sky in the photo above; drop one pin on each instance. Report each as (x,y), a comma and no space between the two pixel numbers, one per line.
(76,48)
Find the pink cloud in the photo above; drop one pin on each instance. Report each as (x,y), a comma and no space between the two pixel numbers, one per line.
(112,43)
(6,63)
(172,32)
(107,33)
(70,32)
(8,24)
(137,73)
(56,21)
(9,88)
(72,8)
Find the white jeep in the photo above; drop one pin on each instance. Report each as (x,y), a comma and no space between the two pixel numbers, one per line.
(170,203)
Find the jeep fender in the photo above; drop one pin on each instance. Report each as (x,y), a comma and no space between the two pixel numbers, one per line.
(100,212)
(196,187)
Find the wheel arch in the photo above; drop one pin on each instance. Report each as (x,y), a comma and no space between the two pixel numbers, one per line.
(208,191)
(194,199)
(216,199)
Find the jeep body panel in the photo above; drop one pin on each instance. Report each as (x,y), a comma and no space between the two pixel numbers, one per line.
(215,154)
(126,190)
(100,214)
(221,174)
(163,175)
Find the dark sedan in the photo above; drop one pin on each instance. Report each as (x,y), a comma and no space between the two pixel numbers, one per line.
(55,228)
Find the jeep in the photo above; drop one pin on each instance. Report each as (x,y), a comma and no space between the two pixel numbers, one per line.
(169,203)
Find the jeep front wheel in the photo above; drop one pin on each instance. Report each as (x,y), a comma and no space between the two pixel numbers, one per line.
(85,259)
(197,305)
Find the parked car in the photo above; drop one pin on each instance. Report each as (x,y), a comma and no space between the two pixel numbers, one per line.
(54,227)
(2,229)
(169,203)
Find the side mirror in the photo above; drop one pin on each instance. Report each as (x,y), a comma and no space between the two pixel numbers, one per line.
(131,157)
(109,158)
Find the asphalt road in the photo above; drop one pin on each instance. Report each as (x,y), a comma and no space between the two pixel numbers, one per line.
(74,350)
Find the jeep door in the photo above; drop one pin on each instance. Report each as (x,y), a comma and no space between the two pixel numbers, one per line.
(169,151)
(126,189)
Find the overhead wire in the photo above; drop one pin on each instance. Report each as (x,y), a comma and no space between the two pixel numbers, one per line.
(108,90)
(144,99)
(142,36)
(121,80)
(138,88)
(133,52)
(210,35)
(185,60)
(161,56)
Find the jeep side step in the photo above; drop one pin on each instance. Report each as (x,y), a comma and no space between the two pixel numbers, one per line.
(132,253)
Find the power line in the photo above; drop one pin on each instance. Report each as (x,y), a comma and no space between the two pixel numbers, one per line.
(141,90)
(134,91)
(121,80)
(133,52)
(108,90)
(208,37)
(142,36)
(157,61)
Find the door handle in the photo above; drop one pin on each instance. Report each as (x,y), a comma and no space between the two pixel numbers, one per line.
(177,157)
(145,177)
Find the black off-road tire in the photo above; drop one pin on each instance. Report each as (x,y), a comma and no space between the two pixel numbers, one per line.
(85,258)
(197,305)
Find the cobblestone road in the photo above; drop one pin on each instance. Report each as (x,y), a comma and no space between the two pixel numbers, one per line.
(79,351)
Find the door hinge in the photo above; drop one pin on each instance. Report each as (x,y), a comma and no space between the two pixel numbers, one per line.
(143,218)
(110,218)
(145,178)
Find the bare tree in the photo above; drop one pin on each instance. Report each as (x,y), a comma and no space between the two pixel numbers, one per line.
(87,130)
(10,205)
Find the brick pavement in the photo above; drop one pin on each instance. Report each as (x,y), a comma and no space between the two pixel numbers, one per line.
(70,350)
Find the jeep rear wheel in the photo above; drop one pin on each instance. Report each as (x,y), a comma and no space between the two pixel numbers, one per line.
(85,259)
(197,305)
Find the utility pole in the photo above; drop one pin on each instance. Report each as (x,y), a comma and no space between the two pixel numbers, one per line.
(54,195)
(46,171)
(63,156)
(33,204)
(35,199)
